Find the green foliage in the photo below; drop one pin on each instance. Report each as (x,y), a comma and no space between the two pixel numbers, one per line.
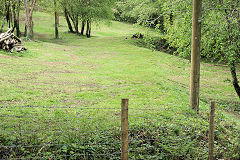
(220,30)
(95,10)
(220,27)
(138,11)
(168,134)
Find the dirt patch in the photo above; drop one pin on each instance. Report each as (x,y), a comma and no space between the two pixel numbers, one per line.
(41,36)
(9,57)
(74,57)
(62,71)
(54,63)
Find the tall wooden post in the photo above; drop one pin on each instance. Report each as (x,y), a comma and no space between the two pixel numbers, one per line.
(195,54)
(124,128)
(211,131)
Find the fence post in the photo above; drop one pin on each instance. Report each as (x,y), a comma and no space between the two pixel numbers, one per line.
(124,129)
(211,131)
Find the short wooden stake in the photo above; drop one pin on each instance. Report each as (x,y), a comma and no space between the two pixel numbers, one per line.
(124,128)
(211,131)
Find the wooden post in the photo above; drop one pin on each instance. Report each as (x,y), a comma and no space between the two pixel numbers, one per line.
(211,132)
(124,128)
(195,54)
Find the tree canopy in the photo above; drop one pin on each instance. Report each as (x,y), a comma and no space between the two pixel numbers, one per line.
(220,27)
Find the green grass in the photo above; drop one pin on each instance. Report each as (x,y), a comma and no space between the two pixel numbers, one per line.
(96,73)
(103,68)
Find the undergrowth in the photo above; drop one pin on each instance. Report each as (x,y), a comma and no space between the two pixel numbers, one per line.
(154,136)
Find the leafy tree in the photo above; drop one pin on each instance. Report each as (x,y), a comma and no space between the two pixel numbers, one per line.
(141,12)
(86,12)
(9,13)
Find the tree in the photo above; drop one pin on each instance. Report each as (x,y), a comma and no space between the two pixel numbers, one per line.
(9,12)
(86,12)
(56,19)
(29,7)
(141,12)
(16,13)
(231,45)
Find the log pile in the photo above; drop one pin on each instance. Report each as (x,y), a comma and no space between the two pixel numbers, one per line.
(10,42)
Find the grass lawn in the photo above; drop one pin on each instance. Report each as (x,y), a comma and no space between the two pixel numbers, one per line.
(80,72)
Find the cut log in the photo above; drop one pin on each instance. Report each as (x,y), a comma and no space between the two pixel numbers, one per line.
(10,42)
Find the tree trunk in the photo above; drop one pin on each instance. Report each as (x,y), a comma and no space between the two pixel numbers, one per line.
(83,26)
(87,28)
(88,31)
(235,79)
(26,21)
(56,20)
(76,25)
(68,21)
(171,18)
(14,17)
(8,17)
(232,62)
(29,6)
(18,32)
(29,28)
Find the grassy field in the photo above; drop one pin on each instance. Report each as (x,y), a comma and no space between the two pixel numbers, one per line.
(79,71)
(76,71)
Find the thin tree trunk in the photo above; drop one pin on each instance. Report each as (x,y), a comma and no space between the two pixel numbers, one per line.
(68,21)
(14,17)
(17,19)
(87,31)
(83,26)
(76,25)
(56,20)
(90,29)
(26,21)
(235,79)
(8,14)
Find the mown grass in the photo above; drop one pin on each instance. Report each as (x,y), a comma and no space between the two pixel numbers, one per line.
(79,72)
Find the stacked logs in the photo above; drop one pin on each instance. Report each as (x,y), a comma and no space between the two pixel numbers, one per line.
(10,42)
